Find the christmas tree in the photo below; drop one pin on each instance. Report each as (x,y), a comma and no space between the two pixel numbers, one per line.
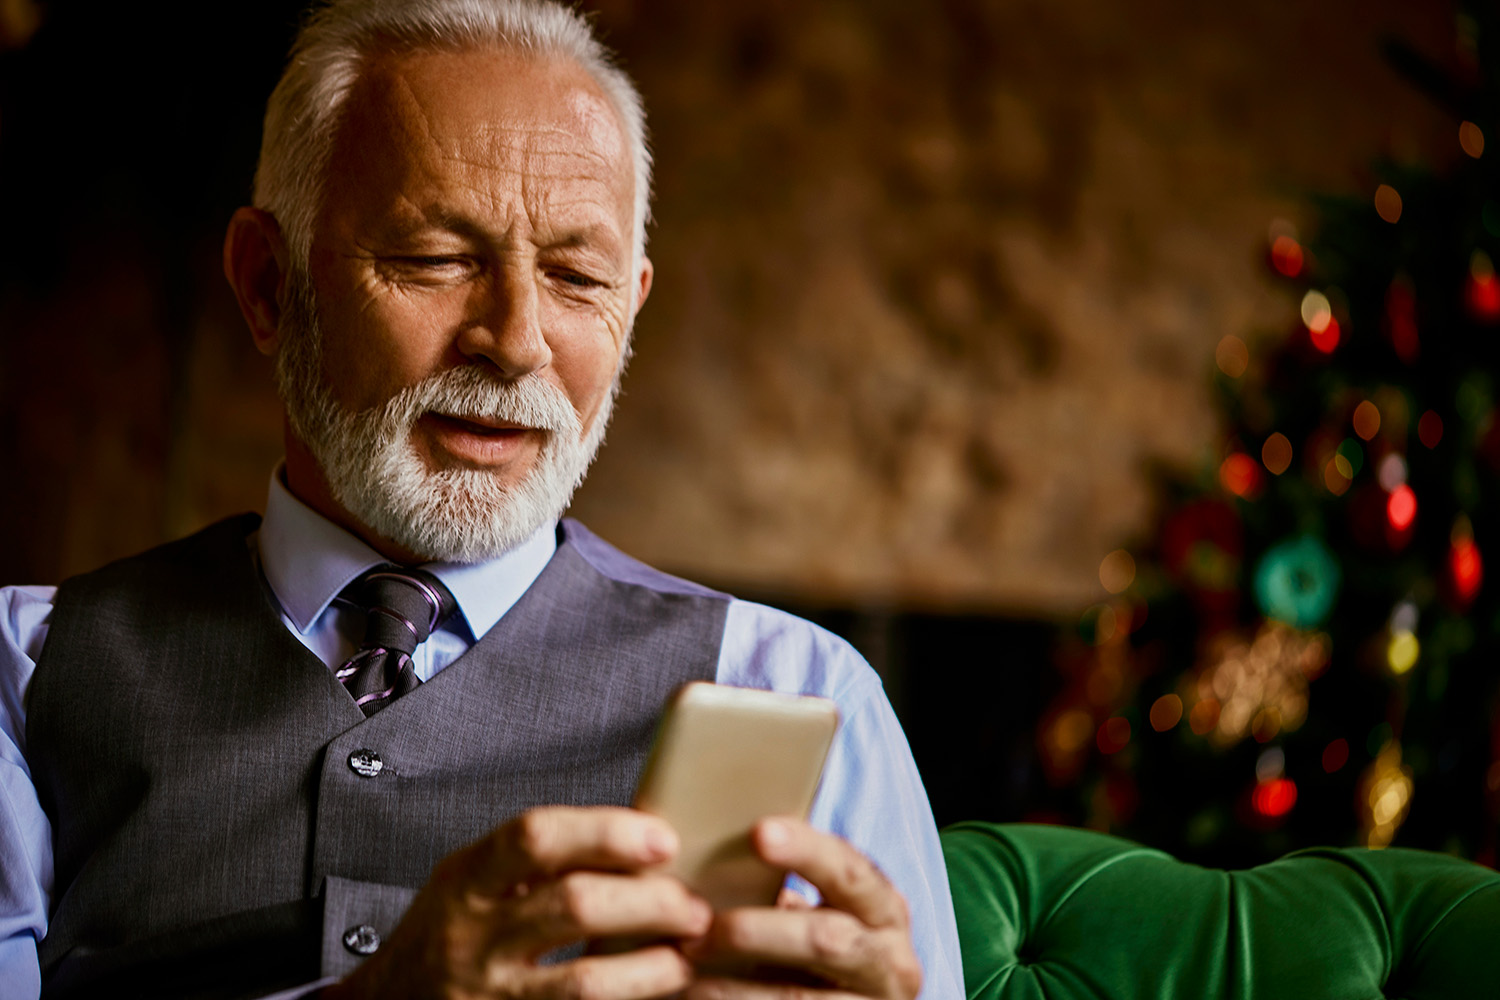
(1308,650)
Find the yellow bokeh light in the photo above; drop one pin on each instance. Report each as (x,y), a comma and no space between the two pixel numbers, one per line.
(1317,312)
(1072,730)
(1402,652)
(1337,475)
(1471,138)
(1388,203)
(1117,571)
(1385,794)
(1366,420)
(1277,453)
(1232,356)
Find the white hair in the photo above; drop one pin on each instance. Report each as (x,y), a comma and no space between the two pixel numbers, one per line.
(340,36)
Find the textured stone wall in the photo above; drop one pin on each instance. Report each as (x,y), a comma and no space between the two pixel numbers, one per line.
(937,286)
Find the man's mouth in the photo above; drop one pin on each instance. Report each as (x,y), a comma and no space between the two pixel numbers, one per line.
(483,426)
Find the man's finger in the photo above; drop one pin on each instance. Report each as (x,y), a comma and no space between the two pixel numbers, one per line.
(636,975)
(848,880)
(585,904)
(716,988)
(832,945)
(547,841)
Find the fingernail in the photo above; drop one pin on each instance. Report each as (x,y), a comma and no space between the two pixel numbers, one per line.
(660,843)
(774,834)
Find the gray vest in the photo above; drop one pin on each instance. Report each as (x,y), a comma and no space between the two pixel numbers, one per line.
(212,835)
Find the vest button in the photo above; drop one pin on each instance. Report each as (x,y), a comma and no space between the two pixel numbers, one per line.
(366,764)
(362,939)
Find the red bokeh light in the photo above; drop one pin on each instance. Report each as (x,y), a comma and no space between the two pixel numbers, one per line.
(1326,339)
(1401,320)
(1335,755)
(1274,798)
(1430,429)
(1240,475)
(1482,295)
(1401,508)
(1465,569)
(1286,256)
(1113,735)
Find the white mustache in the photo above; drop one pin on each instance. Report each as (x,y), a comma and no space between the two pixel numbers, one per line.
(472,394)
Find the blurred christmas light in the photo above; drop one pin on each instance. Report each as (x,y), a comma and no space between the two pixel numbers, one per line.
(1350,451)
(1317,313)
(1297,582)
(1471,138)
(1063,741)
(1401,319)
(1335,755)
(1232,356)
(1071,730)
(1430,429)
(1404,617)
(1337,475)
(1117,571)
(1401,652)
(1113,735)
(1465,566)
(1327,338)
(1097,625)
(1274,798)
(1401,507)
(1270,764)
(1166,712)
(1276,453)
(1388,203)
(1240,475)
(1385,792)
(1366,420)
(1482,293)
(1204,716)
(1392,472)
(1259,686)
(1286,255)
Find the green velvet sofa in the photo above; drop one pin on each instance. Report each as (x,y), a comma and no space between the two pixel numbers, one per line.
(1051,913)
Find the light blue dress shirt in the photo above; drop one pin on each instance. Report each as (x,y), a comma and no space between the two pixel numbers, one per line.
(871,794)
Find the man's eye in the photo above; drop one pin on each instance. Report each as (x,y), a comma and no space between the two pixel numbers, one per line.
(576,280)
(427,268)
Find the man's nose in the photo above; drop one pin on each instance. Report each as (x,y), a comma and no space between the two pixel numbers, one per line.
(505,327)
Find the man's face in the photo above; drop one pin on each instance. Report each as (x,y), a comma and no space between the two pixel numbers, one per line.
(470,284)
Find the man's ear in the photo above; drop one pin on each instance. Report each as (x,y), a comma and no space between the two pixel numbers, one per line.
(255,262)
(644,288)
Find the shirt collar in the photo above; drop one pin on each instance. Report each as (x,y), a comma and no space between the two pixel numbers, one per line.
(308,560)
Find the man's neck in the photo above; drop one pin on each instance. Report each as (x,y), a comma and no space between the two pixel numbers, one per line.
(304,479)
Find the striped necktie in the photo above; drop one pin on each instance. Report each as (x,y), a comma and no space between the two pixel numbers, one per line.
(402,608)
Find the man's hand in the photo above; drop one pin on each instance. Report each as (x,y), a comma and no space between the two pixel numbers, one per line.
(857,943)
(550,877)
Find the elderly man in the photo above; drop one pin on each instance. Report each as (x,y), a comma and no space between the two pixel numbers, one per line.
(380,743)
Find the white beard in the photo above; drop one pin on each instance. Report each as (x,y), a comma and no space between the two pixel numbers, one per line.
(375,473)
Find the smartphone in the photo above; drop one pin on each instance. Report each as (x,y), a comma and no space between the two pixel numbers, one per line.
(724,758)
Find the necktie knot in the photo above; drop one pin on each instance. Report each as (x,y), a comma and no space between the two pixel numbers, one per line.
(402,608)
